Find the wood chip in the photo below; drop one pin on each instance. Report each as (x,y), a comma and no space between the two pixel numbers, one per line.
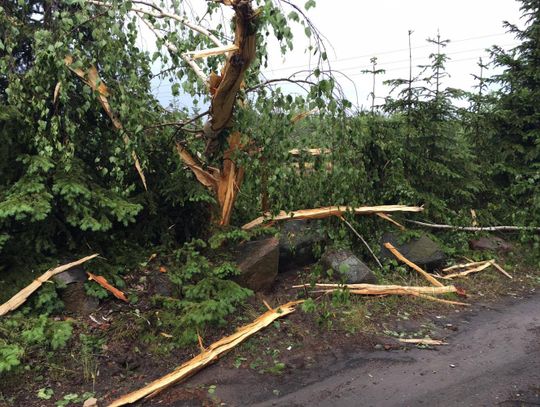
(102,281)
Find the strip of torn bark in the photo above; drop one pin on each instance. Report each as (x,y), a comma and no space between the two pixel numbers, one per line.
(402,258)
(223,102)
(206,178)
(325,212)
(18,299)
(208,356)
(102,281)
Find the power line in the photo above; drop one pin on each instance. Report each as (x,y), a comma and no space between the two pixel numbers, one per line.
(376,54)
(380,64)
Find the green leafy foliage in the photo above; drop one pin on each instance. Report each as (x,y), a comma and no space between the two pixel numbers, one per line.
(22,336)
(208,295)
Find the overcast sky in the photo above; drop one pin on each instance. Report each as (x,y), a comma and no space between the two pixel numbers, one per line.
(357,30)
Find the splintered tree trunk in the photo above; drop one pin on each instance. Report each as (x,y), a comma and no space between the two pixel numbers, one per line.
(224,98)
(226,182)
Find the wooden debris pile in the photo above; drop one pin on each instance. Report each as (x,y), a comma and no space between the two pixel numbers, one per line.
(463,270)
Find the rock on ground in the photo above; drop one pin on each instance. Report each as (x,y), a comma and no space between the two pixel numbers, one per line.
(490,243)
(347,267)
(258,263)
(297,243)
(72,292)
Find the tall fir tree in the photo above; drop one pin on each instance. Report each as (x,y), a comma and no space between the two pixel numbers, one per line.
(516,117)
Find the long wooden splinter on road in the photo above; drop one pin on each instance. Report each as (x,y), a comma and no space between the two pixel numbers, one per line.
(208,355)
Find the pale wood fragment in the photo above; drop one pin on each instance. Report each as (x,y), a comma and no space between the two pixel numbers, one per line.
(205,53)
(465,273)
(375,289)
(18,299)
(402,258)
(423,341)
(325,212)
(208,356)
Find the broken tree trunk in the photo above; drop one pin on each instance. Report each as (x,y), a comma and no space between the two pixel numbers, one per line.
(223,101)
(18,299)
(207,356)
(325,212)
(224,183)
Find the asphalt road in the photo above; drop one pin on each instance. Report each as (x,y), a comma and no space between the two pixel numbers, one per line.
(493,360)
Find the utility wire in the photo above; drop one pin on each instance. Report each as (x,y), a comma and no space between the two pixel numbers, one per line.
(395,51)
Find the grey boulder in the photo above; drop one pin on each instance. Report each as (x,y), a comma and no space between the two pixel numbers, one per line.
(297,242)
(490,243)
(258,263)
(347,267)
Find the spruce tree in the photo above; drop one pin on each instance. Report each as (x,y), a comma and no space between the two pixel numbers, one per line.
(516,117)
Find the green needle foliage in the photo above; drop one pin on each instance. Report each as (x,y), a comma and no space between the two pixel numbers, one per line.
(516,120)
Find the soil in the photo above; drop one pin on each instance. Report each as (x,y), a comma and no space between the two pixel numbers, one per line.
(493,355)
(492,358)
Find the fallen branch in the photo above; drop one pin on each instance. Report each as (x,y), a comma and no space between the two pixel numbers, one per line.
(424,341)
(310,151)
(378,289)
(208,356)
(498,267)
(402,258)
(463,266)
(476,267)
(325,212)
(102,281)
(474,228)
(375,289)
(18,299)
(389,219)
